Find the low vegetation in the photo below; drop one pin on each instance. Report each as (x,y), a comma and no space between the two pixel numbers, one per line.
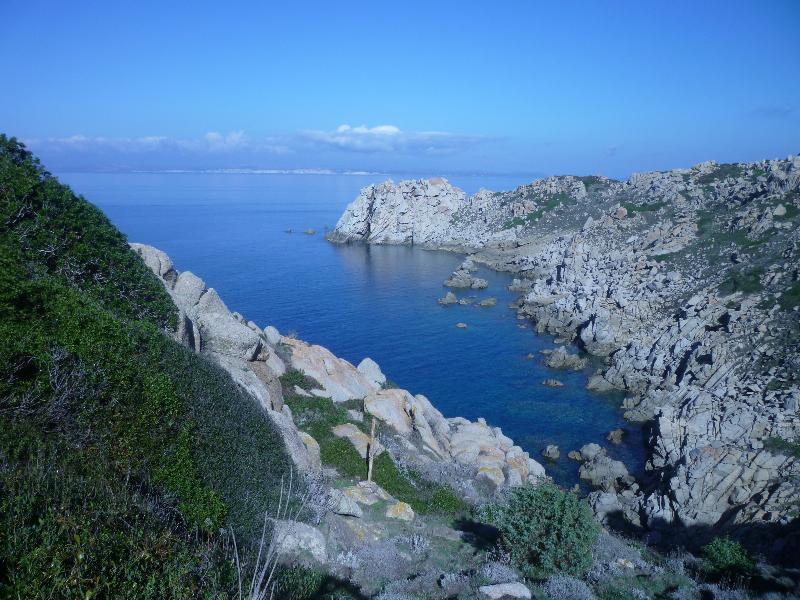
(318,416)
(545,529)
(125,459)
(726,559)
(633,208)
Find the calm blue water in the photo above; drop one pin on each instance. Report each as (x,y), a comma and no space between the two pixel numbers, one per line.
(360,300)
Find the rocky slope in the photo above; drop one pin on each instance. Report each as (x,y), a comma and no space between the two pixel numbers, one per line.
(473,458)
(687,281)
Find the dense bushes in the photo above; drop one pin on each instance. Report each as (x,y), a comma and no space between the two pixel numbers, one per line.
(59,233)
(70,526)
(724,558)
(116,433)
(545,529)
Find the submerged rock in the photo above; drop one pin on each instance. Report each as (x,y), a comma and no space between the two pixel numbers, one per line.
(552,452)
(554,383)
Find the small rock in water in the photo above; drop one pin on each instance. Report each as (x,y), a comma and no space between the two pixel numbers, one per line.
(489,302)
(310,231)
(552,383)
(461,325)
(615,437)
(449,298)
(552,452)
(530,356)
(574,455)
(288,231)
(465,301)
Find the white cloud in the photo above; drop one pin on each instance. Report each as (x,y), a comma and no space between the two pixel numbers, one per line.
(387,138)
(377,139)
(211,142)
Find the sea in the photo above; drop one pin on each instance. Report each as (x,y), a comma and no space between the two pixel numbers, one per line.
(232,229)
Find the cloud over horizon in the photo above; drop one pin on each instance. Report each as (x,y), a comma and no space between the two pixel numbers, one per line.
(389,138)
(364,139)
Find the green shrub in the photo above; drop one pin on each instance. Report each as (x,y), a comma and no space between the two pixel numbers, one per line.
(545,529)
(71,527)
(790,297)
(747,282)
(722,171)
(59,233)
(725,558)
(297,582)
(640,208)
(295,377)
(783,446)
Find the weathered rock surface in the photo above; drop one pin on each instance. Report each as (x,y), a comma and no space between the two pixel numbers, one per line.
(294,538)
(504,591)
(339,379)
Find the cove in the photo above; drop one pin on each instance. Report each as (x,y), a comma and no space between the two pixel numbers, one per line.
(376,301)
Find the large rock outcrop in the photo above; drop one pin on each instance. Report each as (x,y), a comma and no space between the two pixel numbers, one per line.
(686,280)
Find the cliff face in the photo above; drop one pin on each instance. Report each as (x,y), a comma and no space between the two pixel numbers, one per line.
(686,280)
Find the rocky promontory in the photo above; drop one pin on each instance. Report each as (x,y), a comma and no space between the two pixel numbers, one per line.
(686,282)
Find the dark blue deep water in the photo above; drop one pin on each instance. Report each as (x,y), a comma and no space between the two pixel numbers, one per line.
(362,301)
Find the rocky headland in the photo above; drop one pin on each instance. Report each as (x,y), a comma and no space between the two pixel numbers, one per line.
(687,283)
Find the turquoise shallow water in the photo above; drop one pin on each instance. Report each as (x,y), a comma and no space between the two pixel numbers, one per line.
(363,300)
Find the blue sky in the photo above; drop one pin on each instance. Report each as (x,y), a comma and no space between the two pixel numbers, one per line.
(494,87)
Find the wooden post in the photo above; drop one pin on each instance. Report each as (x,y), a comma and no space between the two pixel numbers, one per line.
(371,450)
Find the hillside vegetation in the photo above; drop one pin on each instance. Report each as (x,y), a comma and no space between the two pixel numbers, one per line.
(125,459)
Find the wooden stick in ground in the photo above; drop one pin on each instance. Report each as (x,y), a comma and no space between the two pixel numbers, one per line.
(371,450)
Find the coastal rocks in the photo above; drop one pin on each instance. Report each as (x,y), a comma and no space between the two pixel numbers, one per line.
(478,445)
(448,299)
(488,302)
(601,471)
(358,438)
(158,262)
(553,383)
(641,272)
(343,505)
(293,538)
(552,452)
(372,371)
(408,414)
(615,436)
(411,212)
(313,450)
(400,511)
(339,379)
(367,493)
(463,278)
(504,591)
(561,359)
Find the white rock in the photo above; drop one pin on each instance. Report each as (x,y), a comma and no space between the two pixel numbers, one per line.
(372,371)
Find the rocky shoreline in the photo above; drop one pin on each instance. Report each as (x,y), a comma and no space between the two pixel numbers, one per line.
(473,458)
(686,282)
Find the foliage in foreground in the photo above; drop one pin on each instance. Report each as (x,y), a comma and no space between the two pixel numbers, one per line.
(545,529)
(724,558)
(122,454)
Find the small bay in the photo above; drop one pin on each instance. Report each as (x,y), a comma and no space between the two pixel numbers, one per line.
(377,301)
